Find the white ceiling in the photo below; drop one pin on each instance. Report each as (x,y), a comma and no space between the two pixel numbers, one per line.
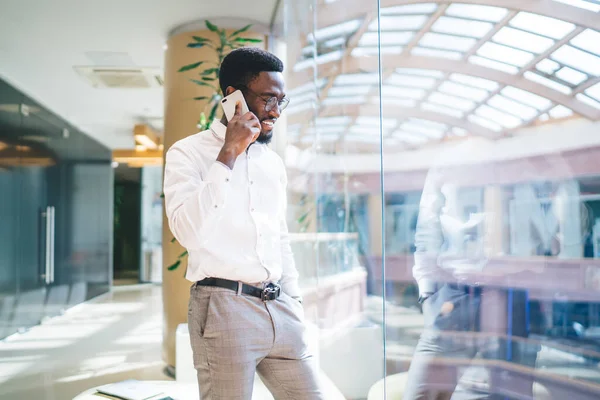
(41,42)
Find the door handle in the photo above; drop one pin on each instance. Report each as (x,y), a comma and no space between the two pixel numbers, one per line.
(52,241)
(49,253)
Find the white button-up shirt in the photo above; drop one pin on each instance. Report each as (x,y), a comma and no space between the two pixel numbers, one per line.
(232,222)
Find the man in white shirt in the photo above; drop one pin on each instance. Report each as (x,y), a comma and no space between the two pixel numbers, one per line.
(225,194)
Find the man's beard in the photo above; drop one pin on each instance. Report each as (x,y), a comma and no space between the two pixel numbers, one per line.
(265,138)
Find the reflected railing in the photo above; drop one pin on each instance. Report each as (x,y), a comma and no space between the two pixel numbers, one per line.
(324,254)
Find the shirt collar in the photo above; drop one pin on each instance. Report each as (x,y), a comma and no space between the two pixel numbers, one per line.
(218,129)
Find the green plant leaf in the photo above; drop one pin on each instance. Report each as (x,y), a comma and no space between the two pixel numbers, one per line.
(174,266)
(208,79)
(200,39)
(210,71)
(201,98)
(244,29)
(195,45)
(303,217)
(247,40)
(213,112)
(173,240)
(212,27)
(190,66)
(185,253)
(202,83)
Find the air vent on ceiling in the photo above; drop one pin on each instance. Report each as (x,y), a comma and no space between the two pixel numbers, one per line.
(122,78)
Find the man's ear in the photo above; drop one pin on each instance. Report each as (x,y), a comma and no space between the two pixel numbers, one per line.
(229,90)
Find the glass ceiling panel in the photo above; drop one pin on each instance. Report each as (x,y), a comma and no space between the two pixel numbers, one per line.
(539,24)
(447,42)
(532,76)
(334,101)
(442,110)
(362,137)
(424,72)
(374,50)
(451,101)
(355,90)
(588,40)
(307,87)
(300,98)
(484,62)
(504,119)
(332,121)
(560,112)
(513,107)
(588,100)
(411,138)
(594,92)
(397,91)
(570,75)
(484,13)
(374,121)
(578,59)
(411,81)
(336,30)
(459,90)
(527,98)
(387,38)
(585,4)
(459,26)
(400,23)
(431,124)
(422,51)
(505,54)
(548,66)
(459,131)
(325,130)
(365,130)
(523,40)
(395,101)
(296,108)
(431,132)
(486,123)
(474,81)
(357,79)
(425,8)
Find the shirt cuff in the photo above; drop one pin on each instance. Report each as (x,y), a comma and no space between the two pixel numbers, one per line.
(426,286)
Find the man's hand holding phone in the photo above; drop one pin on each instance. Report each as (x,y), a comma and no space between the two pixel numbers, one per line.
(242,130)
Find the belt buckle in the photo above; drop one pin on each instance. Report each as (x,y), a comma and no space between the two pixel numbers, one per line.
(270,291)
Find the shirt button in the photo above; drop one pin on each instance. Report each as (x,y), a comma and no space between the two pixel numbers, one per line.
(226,179)
(252,209)
(252,182)
(216,206)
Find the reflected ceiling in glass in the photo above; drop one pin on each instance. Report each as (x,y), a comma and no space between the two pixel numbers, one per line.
(482,68)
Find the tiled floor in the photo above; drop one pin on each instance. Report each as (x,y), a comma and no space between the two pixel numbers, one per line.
(115,337)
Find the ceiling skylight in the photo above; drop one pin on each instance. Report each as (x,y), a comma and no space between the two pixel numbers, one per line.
(459,26)
(545,26)
(483,13)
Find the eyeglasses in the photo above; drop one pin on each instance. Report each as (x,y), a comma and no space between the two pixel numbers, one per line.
(270,102)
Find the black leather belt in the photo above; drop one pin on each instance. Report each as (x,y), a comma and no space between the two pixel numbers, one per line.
(270,291)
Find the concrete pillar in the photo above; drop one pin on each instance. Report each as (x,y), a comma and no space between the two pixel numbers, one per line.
(181,117)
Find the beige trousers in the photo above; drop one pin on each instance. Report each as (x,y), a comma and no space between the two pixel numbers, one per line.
(234,336)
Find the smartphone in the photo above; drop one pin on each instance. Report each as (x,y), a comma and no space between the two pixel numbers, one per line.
(228,104)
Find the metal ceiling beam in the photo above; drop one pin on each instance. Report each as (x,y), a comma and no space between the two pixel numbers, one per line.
(340,11)
(395,112)
(370,64)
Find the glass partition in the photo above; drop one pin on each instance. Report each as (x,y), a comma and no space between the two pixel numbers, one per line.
(457,143)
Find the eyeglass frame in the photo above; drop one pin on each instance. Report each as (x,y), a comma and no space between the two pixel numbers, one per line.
(269,100)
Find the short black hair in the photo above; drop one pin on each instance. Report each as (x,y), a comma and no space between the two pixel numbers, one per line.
(242,65)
